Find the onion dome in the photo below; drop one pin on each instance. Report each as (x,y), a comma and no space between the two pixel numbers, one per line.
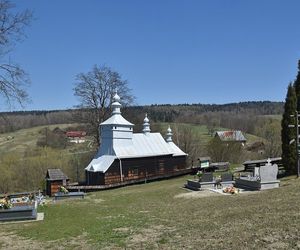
(169,134)
(146,125)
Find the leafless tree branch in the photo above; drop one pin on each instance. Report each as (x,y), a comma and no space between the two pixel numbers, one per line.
(13,79)
(95,90)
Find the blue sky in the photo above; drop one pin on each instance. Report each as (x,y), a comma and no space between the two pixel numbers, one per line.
(214,51)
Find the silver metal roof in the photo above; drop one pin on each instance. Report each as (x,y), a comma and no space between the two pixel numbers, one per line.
(101,164)
(176,150)
(145,145)
(117,119)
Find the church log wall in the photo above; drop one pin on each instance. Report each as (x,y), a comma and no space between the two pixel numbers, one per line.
(143,168)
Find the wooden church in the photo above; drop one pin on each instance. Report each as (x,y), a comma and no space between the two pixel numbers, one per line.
(126,156)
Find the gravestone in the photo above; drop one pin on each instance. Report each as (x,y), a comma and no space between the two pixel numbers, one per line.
(206,182)
(28,212)
(268,176)
(256,172)
(268,173)
(70,195)
(207,177)
(264,177)
(227,180)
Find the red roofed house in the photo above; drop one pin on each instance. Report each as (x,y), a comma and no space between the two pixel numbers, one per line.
(76,136)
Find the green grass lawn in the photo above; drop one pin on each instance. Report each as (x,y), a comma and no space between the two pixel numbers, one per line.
(163,215)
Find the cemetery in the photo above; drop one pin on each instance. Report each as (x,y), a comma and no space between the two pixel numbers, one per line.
(261,177)
(165,201)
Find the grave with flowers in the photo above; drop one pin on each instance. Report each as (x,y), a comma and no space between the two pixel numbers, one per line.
(64,193)
(14,208)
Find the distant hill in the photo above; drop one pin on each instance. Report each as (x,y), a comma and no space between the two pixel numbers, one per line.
(191,113)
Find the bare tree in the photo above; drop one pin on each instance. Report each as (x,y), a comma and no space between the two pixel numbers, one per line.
(222,151)
(270,130)
(95,91)
(188,140)
(13,79)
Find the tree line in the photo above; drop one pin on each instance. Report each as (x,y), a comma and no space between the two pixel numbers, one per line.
(239,116)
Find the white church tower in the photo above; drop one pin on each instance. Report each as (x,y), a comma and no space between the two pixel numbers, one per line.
(115,131)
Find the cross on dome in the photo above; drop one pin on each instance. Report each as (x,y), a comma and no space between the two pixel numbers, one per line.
(116,97)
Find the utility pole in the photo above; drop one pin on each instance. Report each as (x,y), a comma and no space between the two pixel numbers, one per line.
(296,140)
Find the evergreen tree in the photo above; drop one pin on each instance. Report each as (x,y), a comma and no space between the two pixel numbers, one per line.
(297,86)
(289,153)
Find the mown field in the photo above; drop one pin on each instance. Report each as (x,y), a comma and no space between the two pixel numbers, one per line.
(163,215)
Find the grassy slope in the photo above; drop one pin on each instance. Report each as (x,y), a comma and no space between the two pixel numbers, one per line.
(25,138)
(200,131)
(153,216)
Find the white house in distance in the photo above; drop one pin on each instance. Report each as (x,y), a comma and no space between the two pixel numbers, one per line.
(125,156)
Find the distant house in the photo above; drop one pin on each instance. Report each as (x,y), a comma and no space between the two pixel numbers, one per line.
(76,136)
(54,179)
(234,136)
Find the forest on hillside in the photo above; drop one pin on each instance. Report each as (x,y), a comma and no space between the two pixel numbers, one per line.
(241,115)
